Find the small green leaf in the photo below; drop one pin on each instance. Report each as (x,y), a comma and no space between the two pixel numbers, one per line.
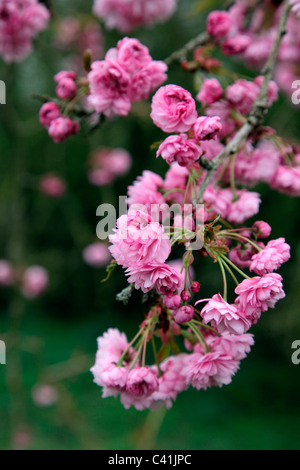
(109,269)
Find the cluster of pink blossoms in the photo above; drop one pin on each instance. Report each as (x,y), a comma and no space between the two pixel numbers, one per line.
(249,30)
(130,14)
(216,335)
(32,281)
(20,22)
(127,74)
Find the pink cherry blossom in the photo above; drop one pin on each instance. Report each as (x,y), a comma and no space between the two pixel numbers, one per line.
(173,109)
(48,113)
(61,128)
(262,229)
(181,149)
(214,369)
(163,278)
(184,314)
(109,86)
(141,381)
(218,24)
(271,257)
(258,294)
(211,91)
(52,186)
(206,128)
(129,15)
(224,317)
(139,241)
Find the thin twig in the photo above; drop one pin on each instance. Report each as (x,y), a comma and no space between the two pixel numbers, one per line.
(259,109)
(181,54)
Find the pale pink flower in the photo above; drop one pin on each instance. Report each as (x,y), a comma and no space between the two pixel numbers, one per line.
(131,14)
(287,180)
(173,109)
(171,382)
(262,229)
(35,281)
(139,241)
(132,55)
(181,149)
(271,257)
(142,382)
(163,278)
(97,255)
(211,91)
(224,317)
(146,80)
(53,186)
(145,192)
(44,395)
(244,208)
(109,86)
(6,274)
(214,369)
(236,346)
(218,24)
(258,294)
(113,380)
(206,128)
(107,164)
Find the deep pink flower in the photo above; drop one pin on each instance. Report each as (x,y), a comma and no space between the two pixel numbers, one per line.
(218,24)
(61,128)
(206,128)
(48,113)
(258,294)
(286,180)
(109,87)
(211,91)
(173,109)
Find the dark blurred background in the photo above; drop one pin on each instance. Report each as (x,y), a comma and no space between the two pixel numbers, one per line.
(52,340)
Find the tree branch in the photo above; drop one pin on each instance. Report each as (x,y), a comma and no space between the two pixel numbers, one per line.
(180,55)
(259,109)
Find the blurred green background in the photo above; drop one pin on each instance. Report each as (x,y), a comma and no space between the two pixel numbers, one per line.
(53,340)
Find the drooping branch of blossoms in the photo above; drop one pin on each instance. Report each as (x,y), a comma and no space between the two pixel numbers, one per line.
(259,109)
(215,335)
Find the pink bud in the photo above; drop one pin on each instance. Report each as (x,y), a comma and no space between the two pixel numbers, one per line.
(185,295)
(195,287)
(184,314)
(48,113)
(262,229)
